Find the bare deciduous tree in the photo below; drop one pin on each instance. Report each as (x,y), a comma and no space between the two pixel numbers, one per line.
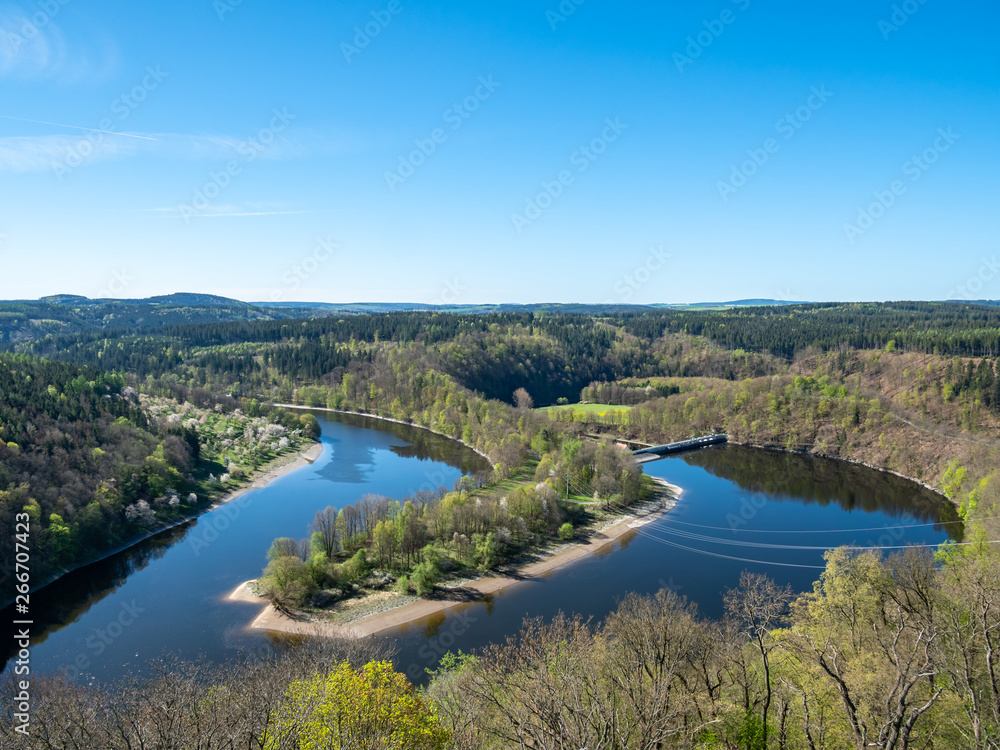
(522,399)
(757,607)
(182,705)
(325,524)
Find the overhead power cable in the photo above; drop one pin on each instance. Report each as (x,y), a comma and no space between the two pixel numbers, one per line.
(825,531)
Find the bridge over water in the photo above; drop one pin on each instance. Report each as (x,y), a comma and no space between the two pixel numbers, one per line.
(657,451)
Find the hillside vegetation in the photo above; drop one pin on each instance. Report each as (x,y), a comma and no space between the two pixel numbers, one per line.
(932,418)
(897,652)
(94,463)
(917,405)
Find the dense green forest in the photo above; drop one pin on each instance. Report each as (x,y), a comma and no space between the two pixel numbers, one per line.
(945,328)
(95,463)
(67,314)
(552,356)
(107,430)
(931,418)
(683,372)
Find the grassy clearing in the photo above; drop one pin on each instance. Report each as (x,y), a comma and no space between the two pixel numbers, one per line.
(599,410)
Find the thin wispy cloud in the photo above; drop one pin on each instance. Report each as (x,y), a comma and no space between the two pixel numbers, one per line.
(40,152)
(225,211)
(27,51)
(207,214)
(33,47)
(79,127)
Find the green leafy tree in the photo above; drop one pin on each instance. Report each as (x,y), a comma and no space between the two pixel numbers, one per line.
(425,576)
(372,708)
(283,546)
(60,537)
(357,567)
(384,543)
(487,551)
(288,581)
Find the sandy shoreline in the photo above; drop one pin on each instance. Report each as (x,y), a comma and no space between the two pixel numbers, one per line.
(305,458)
(380,623)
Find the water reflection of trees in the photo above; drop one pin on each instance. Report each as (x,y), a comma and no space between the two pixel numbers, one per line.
(814,479)
(68,598)
(423,444)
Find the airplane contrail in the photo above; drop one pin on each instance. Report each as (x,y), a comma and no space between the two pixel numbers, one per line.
(79,127)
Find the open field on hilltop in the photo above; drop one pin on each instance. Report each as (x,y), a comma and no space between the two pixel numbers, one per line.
(600,410)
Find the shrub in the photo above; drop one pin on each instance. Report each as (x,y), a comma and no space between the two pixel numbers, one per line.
(287,581)
(566,531)
(424,578)
(356,568)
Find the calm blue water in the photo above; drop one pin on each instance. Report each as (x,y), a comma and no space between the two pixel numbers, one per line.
(752,495)
(167,594)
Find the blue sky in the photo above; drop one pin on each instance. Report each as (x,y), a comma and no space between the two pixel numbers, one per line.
(500,151)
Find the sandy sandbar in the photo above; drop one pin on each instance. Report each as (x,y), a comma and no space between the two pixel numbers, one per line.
(380,623)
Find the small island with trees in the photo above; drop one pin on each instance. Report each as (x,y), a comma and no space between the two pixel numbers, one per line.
(379,553)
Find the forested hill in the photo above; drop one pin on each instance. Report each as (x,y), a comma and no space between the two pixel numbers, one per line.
(94,467)
(66,314)
(65,431)
(932,364)
(61,314)
(946,328)
(552,355)
(910,387)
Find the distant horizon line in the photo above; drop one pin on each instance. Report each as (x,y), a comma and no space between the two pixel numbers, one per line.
(746,301)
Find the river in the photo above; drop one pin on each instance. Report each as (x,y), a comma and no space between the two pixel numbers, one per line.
(741,508)
(735,500)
